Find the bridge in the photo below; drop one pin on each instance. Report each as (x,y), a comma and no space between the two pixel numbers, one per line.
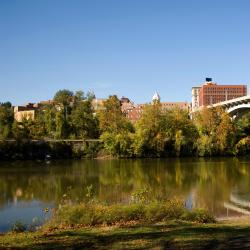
(235,107)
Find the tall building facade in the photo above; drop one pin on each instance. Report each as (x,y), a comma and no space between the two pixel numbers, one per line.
(210,93)
(195,98)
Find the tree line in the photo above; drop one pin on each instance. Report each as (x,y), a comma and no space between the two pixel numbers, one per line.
(157,133)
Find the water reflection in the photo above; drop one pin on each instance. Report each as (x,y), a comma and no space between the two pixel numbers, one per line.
(209,183)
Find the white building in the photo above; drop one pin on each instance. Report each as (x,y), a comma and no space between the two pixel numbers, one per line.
(195,98)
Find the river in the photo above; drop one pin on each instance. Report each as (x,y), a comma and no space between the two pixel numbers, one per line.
(29,190)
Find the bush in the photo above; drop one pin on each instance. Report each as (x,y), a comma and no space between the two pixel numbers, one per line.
(198,215)
(18,227)
(243,146)
(92,214)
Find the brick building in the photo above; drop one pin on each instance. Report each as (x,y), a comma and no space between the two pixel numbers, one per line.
(134,113)
(172,105)
(210,93)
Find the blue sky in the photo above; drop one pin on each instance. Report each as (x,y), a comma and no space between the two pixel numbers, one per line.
(125,47)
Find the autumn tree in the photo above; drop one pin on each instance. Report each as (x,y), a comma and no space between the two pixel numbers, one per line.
(150,136)
(117,131)
(181,131)
(164,132)
(217,131)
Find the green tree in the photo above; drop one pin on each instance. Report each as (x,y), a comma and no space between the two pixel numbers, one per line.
(181,131)
(83,122)
(61,125)
(160,133)
(217,131)
(22,130)
(116,129)
(50,120)
(243,126)
(38,126)
(6,120)
(150,136)
(64,97)
(111,117)
(79,96)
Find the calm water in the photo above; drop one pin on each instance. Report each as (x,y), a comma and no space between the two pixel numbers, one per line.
(221,185)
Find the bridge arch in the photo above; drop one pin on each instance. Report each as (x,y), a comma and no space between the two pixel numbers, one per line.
(238,110)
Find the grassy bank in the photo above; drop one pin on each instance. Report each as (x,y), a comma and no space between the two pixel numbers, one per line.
(94,214)
(92,224)
(171,235)
(142,224)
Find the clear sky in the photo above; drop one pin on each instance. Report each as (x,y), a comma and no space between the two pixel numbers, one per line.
(125,47)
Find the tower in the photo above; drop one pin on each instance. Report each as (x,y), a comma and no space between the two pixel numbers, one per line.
(156,97)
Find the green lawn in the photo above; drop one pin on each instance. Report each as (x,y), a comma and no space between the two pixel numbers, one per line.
(174,235)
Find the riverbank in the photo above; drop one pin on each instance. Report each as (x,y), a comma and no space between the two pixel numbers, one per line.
(171,235)
(27,149)
(48,149)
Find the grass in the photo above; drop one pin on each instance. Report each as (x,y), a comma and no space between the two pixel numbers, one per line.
(171,235)
(153,225)
(93,214)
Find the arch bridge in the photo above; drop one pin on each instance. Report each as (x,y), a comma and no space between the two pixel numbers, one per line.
(235,107)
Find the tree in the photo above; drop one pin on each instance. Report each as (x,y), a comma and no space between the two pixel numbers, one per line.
(181,131)
(116,128)
(79,96)
(83,122)
(111,117)
(150,136)
(160,133)
(6,119)
(22,130)
(50,120)
(38,126)
(62,127)
(243,126)
(90,95)
(217,131)
(64,97)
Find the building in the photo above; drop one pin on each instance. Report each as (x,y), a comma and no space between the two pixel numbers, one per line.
(98,104)
(126,104)
(174,105)
(29,110)
(210,93)
(25,112)
(134,113)
(195,98)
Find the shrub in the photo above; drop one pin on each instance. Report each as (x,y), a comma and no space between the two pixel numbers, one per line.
(243,146)
(18,227)
(198,215)
(92,214)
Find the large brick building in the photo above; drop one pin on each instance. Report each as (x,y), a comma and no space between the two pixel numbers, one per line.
(210,93)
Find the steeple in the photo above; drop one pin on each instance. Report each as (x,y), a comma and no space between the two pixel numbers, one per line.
(156,97)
